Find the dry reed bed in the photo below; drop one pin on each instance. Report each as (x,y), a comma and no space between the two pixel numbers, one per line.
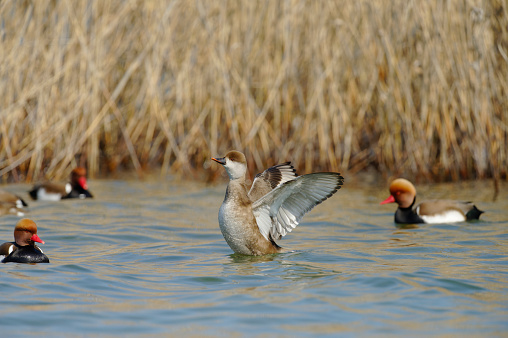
(414,88)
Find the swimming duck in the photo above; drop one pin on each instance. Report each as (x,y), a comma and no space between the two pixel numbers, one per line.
(11,204)
(24,249)
(251,220)
(403,193)
(7,197)
(77,188)
(10,209)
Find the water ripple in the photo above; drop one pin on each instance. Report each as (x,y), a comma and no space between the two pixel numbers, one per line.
(159,265)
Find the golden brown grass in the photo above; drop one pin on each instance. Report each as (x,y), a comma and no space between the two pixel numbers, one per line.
(413,88)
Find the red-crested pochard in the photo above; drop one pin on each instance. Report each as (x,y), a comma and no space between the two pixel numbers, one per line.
(77,188)
(11,204)
(251,220)
(23,249)
(403,193)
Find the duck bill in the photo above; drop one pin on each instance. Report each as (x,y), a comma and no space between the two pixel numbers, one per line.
(82,183)
(390,199)
(220,160)
(37,239)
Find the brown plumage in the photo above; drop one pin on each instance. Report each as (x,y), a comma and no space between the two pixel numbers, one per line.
(11,204)
(76,188)
(250,220)
(23,249)
(403,193)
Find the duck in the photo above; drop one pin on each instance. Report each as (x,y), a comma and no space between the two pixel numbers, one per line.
(76,188)
(10,209)
(252,219)
(403,192)
(11,203)
(24,249)
(8,197)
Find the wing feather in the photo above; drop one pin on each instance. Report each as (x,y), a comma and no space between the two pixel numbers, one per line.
(281,210)
(270,179)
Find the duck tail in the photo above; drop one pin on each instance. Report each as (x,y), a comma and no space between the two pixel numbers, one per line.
(33,193)
(474,213)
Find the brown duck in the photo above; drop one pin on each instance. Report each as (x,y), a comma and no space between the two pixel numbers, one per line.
(251,220)
(11,204)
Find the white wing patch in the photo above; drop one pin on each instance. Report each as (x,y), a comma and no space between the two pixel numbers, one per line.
(450,216)
(43,195)
(287,174)
(281,210)
(19,204)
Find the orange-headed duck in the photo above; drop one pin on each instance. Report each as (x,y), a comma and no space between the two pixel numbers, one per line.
(23,249)
(11,204)
(251,220)
(403,193)
(77,188)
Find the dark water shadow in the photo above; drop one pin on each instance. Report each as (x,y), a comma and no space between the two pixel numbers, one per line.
(406,226)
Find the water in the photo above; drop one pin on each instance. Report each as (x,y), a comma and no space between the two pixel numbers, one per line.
(147,258)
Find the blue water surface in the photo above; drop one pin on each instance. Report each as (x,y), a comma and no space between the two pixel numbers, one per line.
(147,258)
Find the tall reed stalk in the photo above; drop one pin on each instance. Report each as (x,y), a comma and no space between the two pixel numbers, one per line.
(413,88)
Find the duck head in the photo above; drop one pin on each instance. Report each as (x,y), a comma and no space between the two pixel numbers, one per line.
(25,233)
(78,178)
(235,164)
(402,192)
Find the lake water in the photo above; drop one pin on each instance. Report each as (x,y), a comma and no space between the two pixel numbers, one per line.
(147,258)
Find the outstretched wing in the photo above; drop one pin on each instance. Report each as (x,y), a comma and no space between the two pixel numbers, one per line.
(280,211)
(270,179)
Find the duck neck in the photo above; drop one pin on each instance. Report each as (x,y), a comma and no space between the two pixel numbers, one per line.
(237,190)
(410,207)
